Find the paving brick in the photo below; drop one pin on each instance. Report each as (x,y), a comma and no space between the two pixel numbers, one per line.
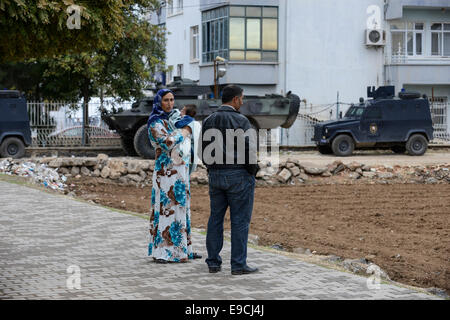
(47,233)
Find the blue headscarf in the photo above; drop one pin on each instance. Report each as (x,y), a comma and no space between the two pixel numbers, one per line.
(158,112)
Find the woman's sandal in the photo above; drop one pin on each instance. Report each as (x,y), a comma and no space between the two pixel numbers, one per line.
(162,261)
(196,256)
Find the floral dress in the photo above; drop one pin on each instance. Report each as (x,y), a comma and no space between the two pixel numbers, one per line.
(170,218)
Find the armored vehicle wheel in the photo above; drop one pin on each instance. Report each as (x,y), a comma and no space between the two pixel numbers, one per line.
(142,143)
(343,145)
(325,149)
(127,143)
(12,147)
(417,145)
(398,149)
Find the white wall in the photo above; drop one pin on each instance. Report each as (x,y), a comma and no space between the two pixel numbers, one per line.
(322,51)
(178,39)
(326,51)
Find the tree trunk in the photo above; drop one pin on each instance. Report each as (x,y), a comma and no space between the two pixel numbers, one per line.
(85,137)
(101,100)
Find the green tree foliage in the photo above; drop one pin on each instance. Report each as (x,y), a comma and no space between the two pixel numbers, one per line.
(130,63)
(27,77)
(122,68)
(38,28)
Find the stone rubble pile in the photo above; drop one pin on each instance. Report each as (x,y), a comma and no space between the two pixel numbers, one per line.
(53,171)
(37,173)
(124,171)
(294,172)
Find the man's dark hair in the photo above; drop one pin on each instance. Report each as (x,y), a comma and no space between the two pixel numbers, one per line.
(191,110)
(231,91)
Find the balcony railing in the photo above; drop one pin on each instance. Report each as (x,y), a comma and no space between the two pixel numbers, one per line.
(408,59)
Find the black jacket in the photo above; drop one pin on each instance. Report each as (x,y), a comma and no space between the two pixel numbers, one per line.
(242,155)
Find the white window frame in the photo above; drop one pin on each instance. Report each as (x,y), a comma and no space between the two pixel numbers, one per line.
(169,77)
(170,7)
(174,9)
(195,44)
(180,70)
(442,32)
(405,32)
(415,32)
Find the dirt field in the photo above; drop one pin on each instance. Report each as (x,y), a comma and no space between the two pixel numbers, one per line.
(405,226)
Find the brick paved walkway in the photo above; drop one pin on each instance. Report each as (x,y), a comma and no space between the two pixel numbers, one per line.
(42,234)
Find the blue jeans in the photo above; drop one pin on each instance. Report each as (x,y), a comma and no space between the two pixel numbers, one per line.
(234,188)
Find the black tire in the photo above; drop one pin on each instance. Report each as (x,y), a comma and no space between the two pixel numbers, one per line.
(325,149)
(417,145)
(142,143)
(408,95)
(343,145)
(399,149)
(127,143)
(12,147)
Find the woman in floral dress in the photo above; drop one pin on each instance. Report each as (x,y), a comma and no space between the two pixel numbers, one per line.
(170,218)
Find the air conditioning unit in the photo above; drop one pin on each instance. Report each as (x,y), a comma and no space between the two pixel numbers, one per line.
(375,37)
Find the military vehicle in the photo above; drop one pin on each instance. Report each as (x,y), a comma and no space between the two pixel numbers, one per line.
(400,123)
(15,132)
(266,112)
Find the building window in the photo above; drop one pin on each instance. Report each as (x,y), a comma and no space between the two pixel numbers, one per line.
(174,9)
(215,34)
(169,75)
(180,70)
(194,44)
(440,39)
(248,33)
(169,7)
(407,38)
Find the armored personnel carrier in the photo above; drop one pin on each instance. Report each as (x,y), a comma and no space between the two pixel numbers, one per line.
(401,123)
(263,112)
(15,132)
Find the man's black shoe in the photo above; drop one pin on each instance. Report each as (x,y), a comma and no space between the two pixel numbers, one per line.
(245,270)
(214,269)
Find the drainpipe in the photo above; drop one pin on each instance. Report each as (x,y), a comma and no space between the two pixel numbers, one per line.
(285,44)
(386,81)
(285,56)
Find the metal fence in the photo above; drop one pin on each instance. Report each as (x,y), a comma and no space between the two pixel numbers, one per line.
(59,124)
(440,118)
(302,130)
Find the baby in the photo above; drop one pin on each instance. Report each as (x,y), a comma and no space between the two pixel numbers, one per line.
(180,119)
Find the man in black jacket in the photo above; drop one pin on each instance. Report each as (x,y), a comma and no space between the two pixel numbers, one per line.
(229,153)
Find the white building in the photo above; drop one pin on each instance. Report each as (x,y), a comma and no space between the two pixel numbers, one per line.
(316,49)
